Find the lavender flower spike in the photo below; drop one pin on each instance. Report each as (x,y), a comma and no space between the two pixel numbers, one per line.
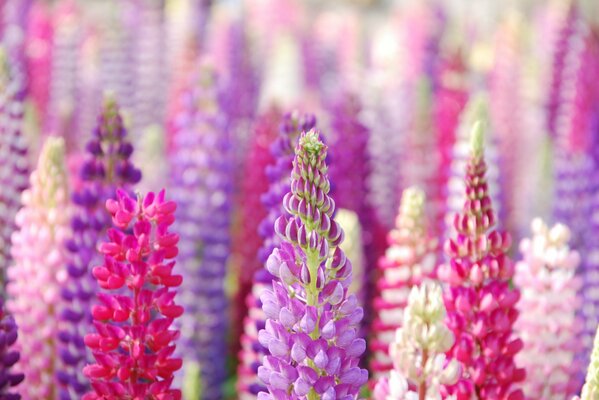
(312,323)
(107,167)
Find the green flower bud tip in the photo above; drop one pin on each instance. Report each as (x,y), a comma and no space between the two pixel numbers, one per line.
(477,139)
(311,142)
(412,201)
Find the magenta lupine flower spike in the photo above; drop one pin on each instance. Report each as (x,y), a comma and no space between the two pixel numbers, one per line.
(39,271)
(134,343)
(107,167)
(418,350)
(547,323)
(252,352)
(480,303)
(409,259)
(312,323)
(14,168)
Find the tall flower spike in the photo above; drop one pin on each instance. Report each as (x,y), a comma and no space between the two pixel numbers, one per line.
(107,167)
(476,109)
(418,351)
(252,352)
(546,276)
(134,344)
(349,173)
(480,303)
(409,259)
(14,169)
(202,172)
(246,240)
(39,271)
(312,323)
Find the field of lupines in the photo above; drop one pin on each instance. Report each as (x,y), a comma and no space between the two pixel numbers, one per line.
(299,199)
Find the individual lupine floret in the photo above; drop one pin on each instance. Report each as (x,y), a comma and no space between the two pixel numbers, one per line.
(312,323)
(418,351)
(409,259)
(481,304)
(252,352)
(134,343)
(549,286)
(39,272)
(107,167)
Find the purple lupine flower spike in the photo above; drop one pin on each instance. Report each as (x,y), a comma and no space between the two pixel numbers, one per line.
(203,179)
(252,352)
(107,167)
(9,357)
(312,323)
(14,171)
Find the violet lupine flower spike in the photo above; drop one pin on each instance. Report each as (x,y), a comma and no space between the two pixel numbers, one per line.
(39,271)
(409,259)
(9,357)
(14,169)
(547,323)
(418,351)
(312,323)
(134,343)
(106,168)
(481,305)
(252,352)
(203,181)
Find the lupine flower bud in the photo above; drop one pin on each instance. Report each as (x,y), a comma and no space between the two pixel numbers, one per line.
(312,323)
(133,345)
(410,258)
(418,350)
(106,167)
(39,271)
(546,276)
(480,303)
(252,352)
(14,168)
(202,185)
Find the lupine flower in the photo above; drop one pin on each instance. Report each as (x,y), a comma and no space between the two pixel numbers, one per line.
(203,179)
(418,350)
(39,55)
(133,346)
(247,242)
(252,352)
(476,109)
(39,271)
(312,323)
(480,303)
(590,390)
(62,108)
(409,259)
(8,355)
(106,167)
(546,276)
(14,171)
